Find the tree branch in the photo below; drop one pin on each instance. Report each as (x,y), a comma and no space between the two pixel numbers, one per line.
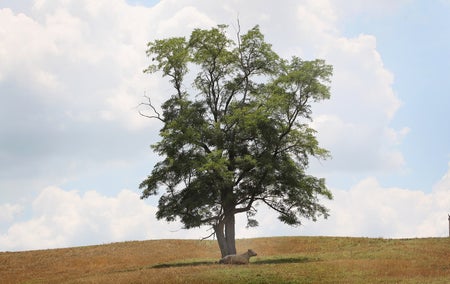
(273,207)
(248,207)
(209,236)
(149,104)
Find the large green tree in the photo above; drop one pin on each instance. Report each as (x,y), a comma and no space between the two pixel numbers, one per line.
(235,133)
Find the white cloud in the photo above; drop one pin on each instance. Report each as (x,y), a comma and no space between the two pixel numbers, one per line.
(354,123)
(184,21)
(63,218)
(9,211)
(70,80)
(359,147)
(316,20)
(347,8)
(368,209)
(77,55)
(68,218)
(23,43)
(362,85)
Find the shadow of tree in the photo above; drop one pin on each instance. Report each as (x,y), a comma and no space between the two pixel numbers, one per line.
(280,260)
(283,260)
(181,264)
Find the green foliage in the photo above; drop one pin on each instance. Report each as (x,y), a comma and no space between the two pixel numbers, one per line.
(240,135)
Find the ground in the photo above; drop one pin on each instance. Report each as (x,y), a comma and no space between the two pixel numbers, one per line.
(279,260)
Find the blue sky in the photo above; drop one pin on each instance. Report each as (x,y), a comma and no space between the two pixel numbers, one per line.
(413,42)
(73,148)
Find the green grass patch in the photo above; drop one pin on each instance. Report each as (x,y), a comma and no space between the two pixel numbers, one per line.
(184,263)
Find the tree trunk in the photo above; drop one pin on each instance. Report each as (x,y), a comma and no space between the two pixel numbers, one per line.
(225,233)
(221,240)
(225,229)
(230,233)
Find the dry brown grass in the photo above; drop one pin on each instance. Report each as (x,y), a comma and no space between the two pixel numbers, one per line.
(280,260)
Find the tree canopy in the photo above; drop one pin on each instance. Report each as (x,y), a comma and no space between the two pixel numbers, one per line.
(235,132)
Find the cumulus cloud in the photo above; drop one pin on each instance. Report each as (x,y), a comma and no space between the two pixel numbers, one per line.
(9,211)
(63,218)
(70,80)
(359,147)
(369,209)
(76,56)
(354,124)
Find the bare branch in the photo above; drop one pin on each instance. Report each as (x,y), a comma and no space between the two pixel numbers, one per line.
(209,236)
(149,104)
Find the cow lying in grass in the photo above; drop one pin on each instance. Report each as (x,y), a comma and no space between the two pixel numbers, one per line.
(238,258)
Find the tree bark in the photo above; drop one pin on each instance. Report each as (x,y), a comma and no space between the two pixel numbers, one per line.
(221,240)
(226,237)
(230,233)
(225,228)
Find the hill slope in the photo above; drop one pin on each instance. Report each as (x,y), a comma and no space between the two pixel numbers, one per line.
(279,260)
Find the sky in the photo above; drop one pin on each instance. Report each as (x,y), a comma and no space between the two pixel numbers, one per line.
(73,147)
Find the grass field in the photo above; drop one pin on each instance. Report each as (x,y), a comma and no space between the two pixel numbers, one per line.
(279,260)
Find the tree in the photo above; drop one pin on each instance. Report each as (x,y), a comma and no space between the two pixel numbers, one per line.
(236,136)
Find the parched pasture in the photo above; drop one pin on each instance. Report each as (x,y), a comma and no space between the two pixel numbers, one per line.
(279,260)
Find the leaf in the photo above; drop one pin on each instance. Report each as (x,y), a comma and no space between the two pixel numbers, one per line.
(236,130)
